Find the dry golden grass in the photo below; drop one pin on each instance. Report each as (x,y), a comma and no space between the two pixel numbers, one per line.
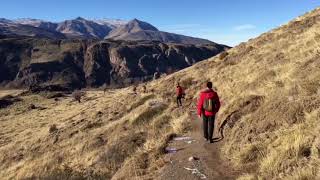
(9,92)
(247,177)
(102,136)
(269,87)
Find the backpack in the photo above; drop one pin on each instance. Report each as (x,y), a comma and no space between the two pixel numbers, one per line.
(210,104)
(180,91)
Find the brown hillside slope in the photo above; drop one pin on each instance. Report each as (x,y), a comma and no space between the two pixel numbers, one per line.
(270,92)
(59,138)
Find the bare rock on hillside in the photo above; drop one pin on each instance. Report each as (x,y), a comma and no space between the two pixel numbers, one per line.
(8,100)
(63,65)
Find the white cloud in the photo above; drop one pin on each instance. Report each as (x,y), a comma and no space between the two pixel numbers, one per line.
(244,27)
(188,29)
(231,39)
(182,26)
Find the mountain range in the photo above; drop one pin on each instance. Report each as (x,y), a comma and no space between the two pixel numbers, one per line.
(81,28)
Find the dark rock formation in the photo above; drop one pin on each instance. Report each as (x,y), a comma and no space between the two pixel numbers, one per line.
(70,64)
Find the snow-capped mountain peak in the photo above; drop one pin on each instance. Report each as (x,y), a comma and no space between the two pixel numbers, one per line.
(112,22)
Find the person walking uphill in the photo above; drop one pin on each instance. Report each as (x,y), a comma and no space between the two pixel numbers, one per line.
(208,106)
(180,94)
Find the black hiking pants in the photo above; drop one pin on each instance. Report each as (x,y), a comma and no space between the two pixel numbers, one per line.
(208,126)
(179,102)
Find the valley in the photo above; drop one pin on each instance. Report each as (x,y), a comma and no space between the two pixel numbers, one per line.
(106,108)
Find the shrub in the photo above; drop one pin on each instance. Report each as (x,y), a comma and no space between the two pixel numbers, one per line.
(144,89)
(32,106)
(77,95)
(223,55)
(134,89)
(53,128)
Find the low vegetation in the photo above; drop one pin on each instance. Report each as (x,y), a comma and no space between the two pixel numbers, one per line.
(112,134)
(223,55)
(270,101)
(149,114)
(141,101)
(77,95)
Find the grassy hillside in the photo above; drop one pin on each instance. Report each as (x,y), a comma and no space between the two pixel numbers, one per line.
(61,138)
(270,92)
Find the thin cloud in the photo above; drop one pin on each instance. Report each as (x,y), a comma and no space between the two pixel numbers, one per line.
(188,29)
(232,39)
(244,27)
(182,26)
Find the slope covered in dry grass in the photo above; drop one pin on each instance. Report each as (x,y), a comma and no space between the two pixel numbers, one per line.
(60,138)
(270,92)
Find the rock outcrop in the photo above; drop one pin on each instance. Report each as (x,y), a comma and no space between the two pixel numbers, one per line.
(69,64)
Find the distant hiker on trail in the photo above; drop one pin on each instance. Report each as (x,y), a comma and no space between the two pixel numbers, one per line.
(134,90)
(144,89)
(208,106)
(180,94)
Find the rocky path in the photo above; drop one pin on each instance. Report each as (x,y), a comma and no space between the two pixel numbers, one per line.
(206,162)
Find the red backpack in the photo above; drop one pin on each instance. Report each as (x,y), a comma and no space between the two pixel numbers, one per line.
(180,91)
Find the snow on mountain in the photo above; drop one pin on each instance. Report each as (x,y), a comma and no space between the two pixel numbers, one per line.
(5,21)
(112,23)
(28,21)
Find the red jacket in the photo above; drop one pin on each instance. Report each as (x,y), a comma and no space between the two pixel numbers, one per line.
(179,91)
(208,93)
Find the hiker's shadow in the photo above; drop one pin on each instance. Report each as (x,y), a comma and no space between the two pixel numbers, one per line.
(221,132)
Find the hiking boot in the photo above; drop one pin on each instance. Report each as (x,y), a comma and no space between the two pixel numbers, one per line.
(211,141)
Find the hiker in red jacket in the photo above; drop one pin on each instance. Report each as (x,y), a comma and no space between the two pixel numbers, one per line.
(180,94)
(208,106)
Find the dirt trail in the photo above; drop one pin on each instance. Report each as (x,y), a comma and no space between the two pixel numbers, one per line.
(208,166)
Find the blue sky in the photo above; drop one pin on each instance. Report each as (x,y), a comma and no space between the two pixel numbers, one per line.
(224,21)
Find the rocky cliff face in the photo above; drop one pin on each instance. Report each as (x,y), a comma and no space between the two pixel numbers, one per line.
(71,64)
